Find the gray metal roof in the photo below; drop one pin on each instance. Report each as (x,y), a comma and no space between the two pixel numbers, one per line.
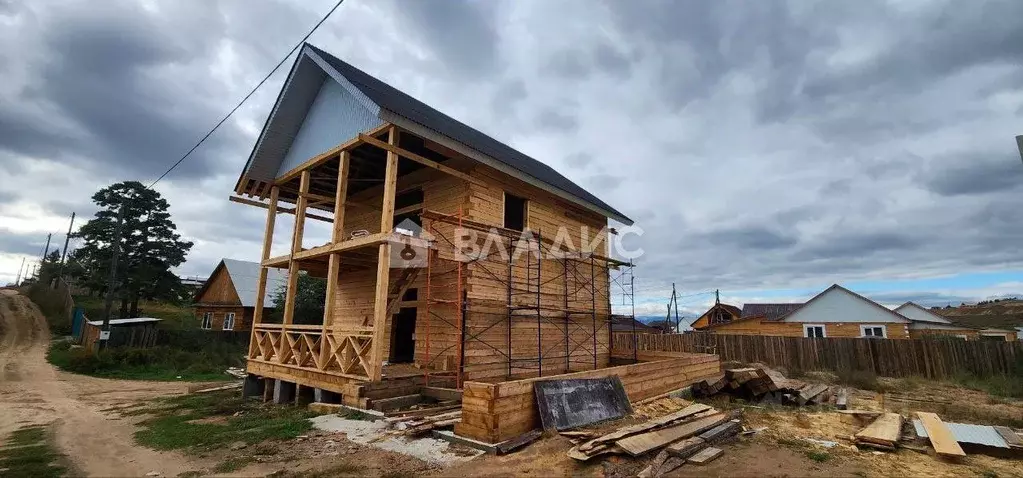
(377,96)
(769,311)
(245,277)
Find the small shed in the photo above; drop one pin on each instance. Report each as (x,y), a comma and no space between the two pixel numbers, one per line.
(137,331)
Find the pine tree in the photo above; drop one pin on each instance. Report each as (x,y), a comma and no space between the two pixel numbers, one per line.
(149,247)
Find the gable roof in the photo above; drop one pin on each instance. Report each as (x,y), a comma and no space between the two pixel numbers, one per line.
(394,106)
(769,311)
(244,276)
(920,314)
(897,316)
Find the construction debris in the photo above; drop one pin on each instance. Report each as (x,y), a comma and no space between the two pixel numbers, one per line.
(420,424)
(684,433)
(883,433)
(766,385)
(705,456)
(941,437)
(236,372)
(518,442)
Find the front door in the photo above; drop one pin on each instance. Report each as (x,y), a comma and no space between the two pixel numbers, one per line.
(403,336)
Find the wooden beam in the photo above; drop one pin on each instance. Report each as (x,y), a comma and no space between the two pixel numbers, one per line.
(332,152)
(287,210)
(296,246)
(268,237)
(408,209)
(384,260)
(334,264)
(393,148)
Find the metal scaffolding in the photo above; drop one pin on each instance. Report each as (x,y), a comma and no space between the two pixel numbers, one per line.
(577,345)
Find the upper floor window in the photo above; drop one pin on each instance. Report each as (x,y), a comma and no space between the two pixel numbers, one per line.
(515,212)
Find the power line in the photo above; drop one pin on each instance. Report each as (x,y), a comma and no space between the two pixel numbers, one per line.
(249,95)
(243,100)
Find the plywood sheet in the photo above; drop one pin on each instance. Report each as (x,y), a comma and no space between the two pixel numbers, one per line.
(941,437)
(885,430)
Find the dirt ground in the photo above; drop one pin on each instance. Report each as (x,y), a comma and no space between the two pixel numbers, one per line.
(33,392)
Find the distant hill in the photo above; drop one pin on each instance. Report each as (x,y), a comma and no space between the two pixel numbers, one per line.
(1002,313)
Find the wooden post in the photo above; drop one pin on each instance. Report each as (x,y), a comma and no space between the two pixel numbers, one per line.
(334,266)
(296,246)
(384,260)
(268,239)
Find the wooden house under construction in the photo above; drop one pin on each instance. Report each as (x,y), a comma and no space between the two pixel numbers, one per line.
(453,260)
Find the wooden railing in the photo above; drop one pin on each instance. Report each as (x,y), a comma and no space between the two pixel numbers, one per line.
(336,352)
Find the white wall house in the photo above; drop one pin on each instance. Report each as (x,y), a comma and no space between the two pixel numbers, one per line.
(841,312)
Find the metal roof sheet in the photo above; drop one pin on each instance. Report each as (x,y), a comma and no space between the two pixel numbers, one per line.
(245,277)
(134,320)
(967,433)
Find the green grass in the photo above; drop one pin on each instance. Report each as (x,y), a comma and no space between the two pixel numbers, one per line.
(818,456)
(232,464)
(29,452)
(173,425)
(155,363)
(997,385)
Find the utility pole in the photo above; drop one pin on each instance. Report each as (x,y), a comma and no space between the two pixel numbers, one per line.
(22,266)
(1019,144)
(115,251)
(678,323)
(46,250)
(67,239)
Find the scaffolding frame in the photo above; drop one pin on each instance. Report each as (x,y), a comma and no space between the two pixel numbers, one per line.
(524,301)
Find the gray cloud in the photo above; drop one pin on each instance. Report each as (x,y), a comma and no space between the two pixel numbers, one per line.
(764,144)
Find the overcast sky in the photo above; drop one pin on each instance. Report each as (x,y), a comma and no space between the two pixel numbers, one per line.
(767,148)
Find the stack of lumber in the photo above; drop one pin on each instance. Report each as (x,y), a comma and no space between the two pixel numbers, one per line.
(421,424)
(660,432)
(766,385)
(883,433)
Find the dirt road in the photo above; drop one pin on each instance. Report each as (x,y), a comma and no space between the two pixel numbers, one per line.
(33,392)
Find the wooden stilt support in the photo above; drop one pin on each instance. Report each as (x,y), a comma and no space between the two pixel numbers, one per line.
(296,246)
(334,266)
(268,238)
(384,261)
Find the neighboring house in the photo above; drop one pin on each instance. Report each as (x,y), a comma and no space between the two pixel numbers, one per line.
(621,323)
(228,299)
(836,312)
(928,324)
(719,313)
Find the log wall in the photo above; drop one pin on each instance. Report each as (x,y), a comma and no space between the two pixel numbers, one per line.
(494,412)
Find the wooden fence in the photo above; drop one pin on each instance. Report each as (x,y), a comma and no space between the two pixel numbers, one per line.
(931,358)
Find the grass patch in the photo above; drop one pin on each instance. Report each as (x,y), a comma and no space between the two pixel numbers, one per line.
(997,385)
(355,415)
(232,464)
(177,424)
(156,363)
(29,452)
(818,456)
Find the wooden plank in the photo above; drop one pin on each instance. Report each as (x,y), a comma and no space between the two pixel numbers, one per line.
(639,428)
(686,448)
(810,392)
(1011,438)
(280,210)
(941,437)
(518,442)
(393,149)
(885,430)
(639,444)
(706,455)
